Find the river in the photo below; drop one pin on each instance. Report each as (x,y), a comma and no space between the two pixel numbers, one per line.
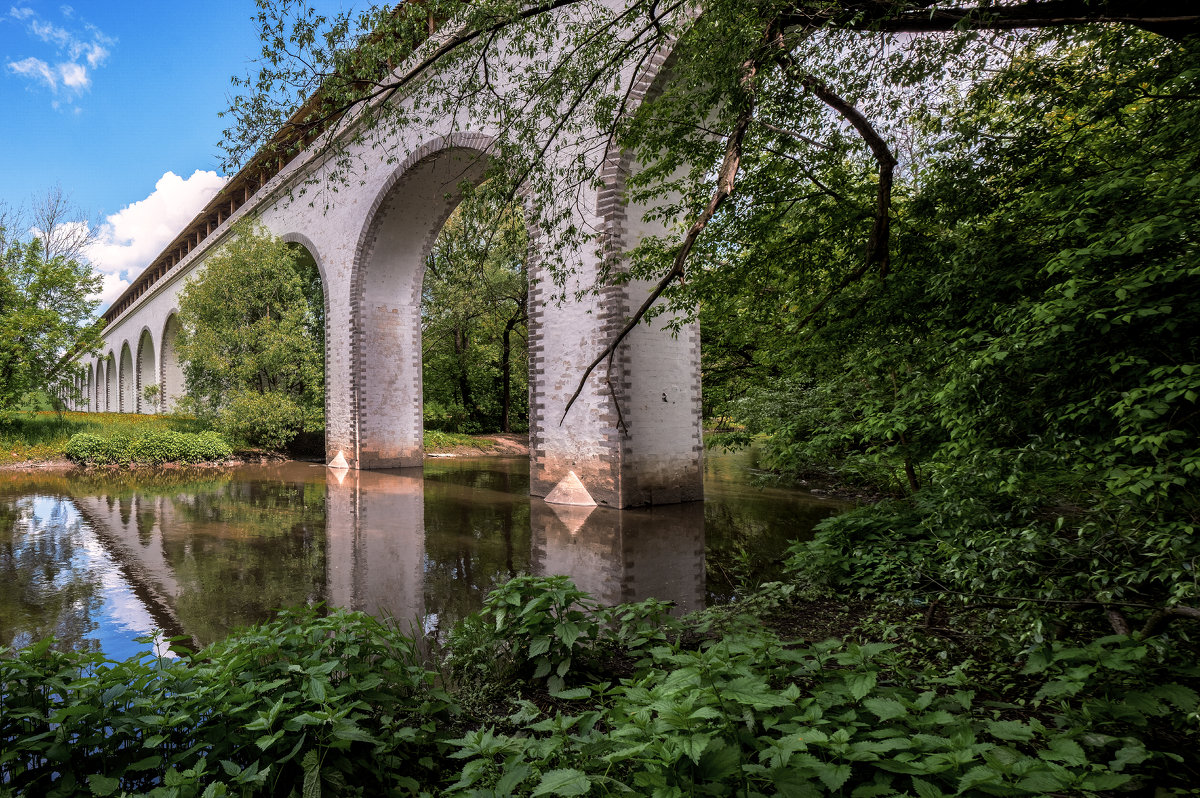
(100,559)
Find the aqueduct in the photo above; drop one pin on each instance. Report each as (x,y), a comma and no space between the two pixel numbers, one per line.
(633,436)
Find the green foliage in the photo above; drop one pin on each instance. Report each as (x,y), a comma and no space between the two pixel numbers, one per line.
(746,714)
(271,419)
(539,627)
(304,703)
(340,704)
(153,448)
(473,300)
(45,310)
(252,359)
(152,395)
(1028,370)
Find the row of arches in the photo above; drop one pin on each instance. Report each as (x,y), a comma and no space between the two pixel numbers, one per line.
(117,381)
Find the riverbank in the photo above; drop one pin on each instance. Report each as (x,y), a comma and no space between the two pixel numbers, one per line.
(38,441)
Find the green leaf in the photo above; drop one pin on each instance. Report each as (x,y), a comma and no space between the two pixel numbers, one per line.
(885,708)
(566,781)
(754,692)
(103,785)
(833,776)
(926,790)
(861,684)
(1009,730)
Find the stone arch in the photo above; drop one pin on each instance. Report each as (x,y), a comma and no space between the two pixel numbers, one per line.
(112,395)
(98,402)
(97,385)
(310,250)
(385,296)
(126,382)
(170,369)
(91,388)
(144,372)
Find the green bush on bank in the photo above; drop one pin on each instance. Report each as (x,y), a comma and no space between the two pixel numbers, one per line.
(295,705)
(166,446)
(339,705)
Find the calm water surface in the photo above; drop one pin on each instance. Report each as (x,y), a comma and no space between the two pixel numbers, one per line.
(97,560)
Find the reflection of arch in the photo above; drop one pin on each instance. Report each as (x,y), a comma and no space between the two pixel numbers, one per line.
(385,296)
(145,374)
(171,374)
(126,402)
(111,395)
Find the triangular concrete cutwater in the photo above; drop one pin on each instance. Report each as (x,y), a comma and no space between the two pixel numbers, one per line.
(570,490)
(339,461)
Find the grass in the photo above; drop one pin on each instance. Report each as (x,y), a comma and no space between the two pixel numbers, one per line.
(40,436)
(436,440)
(43,435)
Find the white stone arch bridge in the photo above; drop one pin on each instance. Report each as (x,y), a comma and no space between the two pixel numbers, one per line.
(634,441)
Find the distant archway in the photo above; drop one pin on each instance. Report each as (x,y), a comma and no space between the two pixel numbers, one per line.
(99,386)
(111,396)
(146,375)
(127,402)
(171,369)
(91,388)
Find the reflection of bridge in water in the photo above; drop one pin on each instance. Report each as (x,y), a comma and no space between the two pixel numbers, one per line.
(135,545)
(377,557)
(383,551)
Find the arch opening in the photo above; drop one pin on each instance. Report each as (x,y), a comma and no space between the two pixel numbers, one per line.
(111,396)
(386,294)
(171,379)
(147,397)
(127,401)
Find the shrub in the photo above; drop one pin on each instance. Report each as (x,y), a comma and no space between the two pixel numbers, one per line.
(153,448)
(271,420)
(301,704)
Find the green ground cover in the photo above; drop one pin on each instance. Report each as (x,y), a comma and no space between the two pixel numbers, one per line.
(547,693)
(43,435)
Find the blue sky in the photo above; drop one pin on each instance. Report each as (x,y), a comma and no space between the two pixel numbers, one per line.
(117,103)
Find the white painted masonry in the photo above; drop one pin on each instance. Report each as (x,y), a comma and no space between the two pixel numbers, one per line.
(370,246)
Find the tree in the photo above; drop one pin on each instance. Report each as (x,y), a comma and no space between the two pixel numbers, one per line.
(473,317)
(46,319)
(249,357)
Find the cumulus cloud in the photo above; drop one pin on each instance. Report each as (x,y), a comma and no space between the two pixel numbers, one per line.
(130,238)
(76,53)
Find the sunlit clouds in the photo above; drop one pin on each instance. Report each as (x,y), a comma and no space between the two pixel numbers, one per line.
(130,238)
(67,54)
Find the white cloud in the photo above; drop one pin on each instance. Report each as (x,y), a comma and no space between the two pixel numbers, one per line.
(74,76)
(52,34)
(128,240)
(35,69)
(114,285)
(75,53)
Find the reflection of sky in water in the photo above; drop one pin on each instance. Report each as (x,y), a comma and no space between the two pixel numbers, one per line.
(121,616)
